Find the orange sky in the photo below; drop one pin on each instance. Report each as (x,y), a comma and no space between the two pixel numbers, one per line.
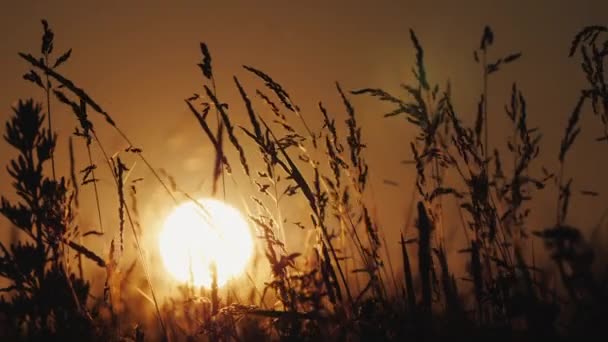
(138,59)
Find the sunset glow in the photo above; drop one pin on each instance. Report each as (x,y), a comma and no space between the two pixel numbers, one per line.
(196,237)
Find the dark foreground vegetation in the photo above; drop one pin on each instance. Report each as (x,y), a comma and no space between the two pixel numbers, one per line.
(502,295)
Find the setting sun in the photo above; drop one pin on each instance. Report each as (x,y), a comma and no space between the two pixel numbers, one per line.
(321,171)
(194,237)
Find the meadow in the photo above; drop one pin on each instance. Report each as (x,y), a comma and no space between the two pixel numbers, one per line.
(63,284)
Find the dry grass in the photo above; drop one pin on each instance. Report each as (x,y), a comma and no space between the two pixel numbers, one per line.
(340,287)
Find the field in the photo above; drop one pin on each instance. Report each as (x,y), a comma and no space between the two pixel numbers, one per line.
(308,170)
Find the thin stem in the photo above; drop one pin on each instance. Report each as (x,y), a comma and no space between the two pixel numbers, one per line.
(277,199)
(135,237)
(559,217)
(312,202)
(217,116)
(95,188)
(79,92)
(485,103)
(390,264)
(47,89)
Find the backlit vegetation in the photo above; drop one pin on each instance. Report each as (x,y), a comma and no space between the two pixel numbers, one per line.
(345,286)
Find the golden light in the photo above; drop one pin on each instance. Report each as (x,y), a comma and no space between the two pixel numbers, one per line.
(195,237)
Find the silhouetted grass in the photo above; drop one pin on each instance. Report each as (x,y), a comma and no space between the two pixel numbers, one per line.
(338,288)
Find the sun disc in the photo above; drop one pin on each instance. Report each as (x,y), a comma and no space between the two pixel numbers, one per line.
(196,237)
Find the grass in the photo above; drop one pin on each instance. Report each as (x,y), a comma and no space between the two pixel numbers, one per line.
(343,285)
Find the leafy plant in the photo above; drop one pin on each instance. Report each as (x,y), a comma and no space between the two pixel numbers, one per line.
(47,298)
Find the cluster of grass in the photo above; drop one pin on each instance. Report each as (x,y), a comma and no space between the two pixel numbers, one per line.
(344,286)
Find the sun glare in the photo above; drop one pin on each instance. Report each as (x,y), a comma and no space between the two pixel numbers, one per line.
(195,237)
